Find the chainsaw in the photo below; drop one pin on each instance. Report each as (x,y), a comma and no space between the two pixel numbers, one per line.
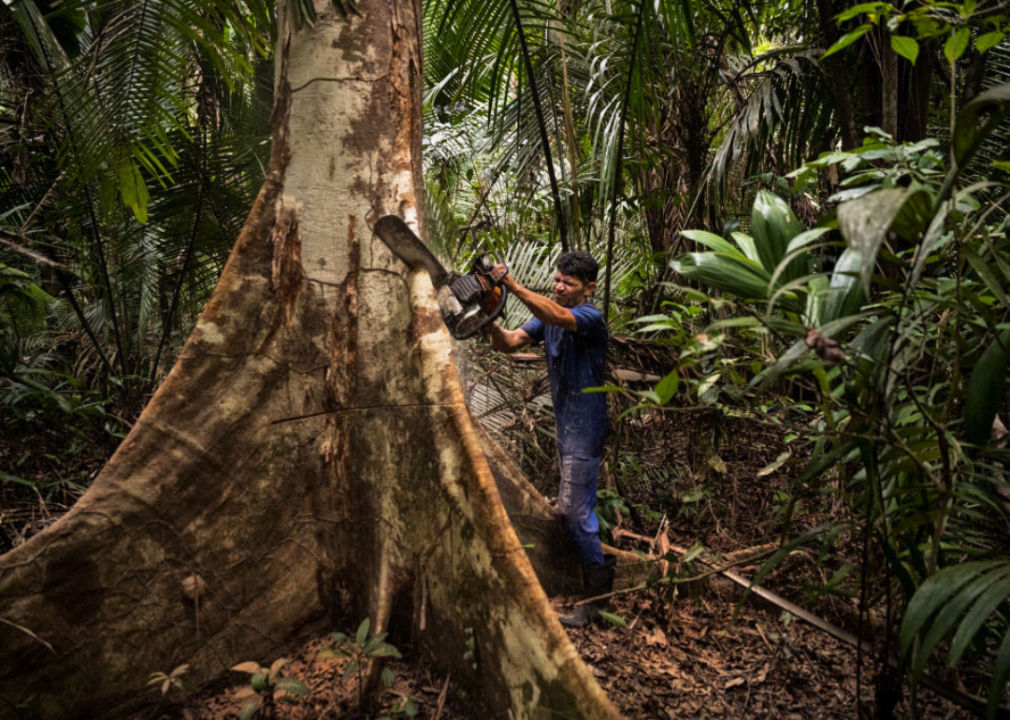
(468,302)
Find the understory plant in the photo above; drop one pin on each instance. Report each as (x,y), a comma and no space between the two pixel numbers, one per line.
(360,651)
(893,312)
(266,687)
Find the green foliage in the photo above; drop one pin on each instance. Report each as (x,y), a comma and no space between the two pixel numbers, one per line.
(266,686)
(360,650)
(608,504)
(905,339)
(149,123)
(950,22)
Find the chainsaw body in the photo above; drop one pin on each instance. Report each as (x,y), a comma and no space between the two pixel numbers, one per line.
(468,302)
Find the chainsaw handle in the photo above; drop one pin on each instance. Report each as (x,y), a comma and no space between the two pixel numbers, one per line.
(488,320)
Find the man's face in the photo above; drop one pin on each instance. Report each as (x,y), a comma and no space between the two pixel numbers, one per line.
(569,291)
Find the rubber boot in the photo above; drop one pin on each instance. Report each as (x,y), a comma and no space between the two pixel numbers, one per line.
(597,580)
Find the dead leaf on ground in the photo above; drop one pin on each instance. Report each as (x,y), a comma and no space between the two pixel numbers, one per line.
(656,636)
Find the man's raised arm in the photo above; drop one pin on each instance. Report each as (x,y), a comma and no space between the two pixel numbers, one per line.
(544,309)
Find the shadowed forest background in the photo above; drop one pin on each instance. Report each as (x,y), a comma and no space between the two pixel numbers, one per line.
(800,211)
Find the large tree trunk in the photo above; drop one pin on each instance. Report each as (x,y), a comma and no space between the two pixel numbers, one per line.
(309,457)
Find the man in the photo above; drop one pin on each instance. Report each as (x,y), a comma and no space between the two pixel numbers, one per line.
(575,344)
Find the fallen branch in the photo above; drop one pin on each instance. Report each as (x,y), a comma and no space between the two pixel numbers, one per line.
(12,241)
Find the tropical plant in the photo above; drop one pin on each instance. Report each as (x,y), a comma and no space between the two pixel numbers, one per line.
(266,686)
(909,344)
(360,651)
(135,136)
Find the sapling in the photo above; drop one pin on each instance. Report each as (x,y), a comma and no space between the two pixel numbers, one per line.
(266,686)
(361,649)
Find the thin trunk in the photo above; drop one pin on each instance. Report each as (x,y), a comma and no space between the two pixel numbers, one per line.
(618,166)
(888,60)
(571,142)
(541,126)
(837,75)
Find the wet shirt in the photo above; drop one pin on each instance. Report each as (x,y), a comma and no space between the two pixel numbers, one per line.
(575,361)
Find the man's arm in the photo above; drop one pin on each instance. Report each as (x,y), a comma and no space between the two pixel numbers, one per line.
(507,340)
(543,309)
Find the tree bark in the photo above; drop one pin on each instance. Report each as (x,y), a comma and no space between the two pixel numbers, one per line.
(309,458)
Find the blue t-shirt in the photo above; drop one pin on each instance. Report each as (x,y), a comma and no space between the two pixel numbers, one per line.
(575,361)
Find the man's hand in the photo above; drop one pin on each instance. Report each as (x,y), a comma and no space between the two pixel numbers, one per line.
(501,273)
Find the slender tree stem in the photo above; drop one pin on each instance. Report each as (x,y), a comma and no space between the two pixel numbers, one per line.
(618,167)
(89,201)
(542,126)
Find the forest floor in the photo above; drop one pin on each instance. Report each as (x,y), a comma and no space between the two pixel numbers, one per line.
(689,649)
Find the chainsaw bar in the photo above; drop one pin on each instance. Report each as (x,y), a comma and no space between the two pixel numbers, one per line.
(407,246)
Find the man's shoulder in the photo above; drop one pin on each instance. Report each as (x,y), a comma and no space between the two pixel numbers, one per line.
(588,316)
(589,322)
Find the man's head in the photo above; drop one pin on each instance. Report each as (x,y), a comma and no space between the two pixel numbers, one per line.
(575,278)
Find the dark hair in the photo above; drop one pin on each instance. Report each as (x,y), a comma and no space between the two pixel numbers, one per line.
(579,264)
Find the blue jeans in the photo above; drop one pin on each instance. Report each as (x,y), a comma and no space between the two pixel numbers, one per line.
(577,505)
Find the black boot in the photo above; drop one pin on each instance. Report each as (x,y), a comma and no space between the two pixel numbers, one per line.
(597,580)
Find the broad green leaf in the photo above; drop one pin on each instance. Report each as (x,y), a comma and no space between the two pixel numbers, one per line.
(951,612)
(988,41)
(862,8)
(746,244)
(724,272)
(259,681)
(985,390)
(388,677)
(864,224)
(847,39)
(914,216)
(667,387)
(988,276)
(956,44)
(773,225)
(987,603)
(362,633)
(805,238)
(933,593)
(710,240)
(844,294)
(905,46)
(384,650)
